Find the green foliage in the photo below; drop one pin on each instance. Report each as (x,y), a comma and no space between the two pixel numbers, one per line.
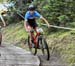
(57,10)
(64,44)
(1,0)
(62,18)
(20,7)
(15,30)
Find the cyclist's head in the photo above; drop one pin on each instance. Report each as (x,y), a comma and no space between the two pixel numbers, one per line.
(31,8)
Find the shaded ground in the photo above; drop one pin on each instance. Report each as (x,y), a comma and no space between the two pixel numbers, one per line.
(55,60)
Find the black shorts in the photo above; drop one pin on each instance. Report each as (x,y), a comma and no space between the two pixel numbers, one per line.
(32,23)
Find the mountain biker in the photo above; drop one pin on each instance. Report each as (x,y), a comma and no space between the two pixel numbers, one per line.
(30,18)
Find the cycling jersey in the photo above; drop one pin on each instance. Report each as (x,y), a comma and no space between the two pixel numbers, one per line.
(32,16)
(30,20)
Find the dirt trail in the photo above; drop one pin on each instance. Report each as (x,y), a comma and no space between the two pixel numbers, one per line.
(55,60)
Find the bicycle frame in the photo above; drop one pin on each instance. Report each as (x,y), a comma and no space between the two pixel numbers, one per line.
(35,37)
(38,41)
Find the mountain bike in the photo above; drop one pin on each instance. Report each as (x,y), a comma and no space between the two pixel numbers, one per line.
(38,41)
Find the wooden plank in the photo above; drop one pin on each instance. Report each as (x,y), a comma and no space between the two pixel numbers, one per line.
(15,56)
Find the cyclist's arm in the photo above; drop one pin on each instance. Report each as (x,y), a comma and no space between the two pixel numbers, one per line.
(40,16)
(44,20)
(25,21)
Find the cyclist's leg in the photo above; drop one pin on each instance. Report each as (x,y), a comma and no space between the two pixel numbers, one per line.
(36,30)
(36,37)
(32,25)
(27,27)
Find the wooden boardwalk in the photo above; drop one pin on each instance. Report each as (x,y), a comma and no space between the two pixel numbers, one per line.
(15,56)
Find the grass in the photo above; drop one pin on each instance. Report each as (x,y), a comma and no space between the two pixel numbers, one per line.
(1,1)
(64,43)
(14,33)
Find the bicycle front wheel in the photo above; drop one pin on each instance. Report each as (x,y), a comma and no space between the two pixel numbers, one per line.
(32,46)
(44,47)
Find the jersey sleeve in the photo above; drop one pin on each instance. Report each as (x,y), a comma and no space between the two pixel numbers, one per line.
(38,14)
(26,16)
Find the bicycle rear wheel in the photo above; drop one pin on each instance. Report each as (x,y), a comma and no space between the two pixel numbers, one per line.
(44,47)
(32,46)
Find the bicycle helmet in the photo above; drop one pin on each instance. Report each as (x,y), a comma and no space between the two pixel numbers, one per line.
(31,8)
